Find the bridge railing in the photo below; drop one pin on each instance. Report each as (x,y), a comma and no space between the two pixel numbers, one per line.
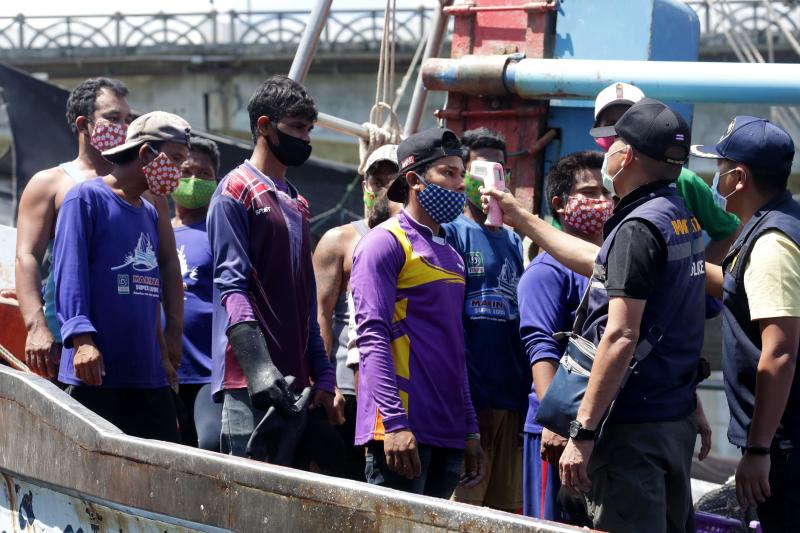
(280,30)
(753,16)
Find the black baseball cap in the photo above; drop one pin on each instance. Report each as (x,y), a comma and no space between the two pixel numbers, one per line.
(755,142)
(654,129)
(417,151)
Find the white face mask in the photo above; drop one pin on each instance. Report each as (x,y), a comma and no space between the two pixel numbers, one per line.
(721,201)
(608,180)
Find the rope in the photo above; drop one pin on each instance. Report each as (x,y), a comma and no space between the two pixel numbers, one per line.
(383,125)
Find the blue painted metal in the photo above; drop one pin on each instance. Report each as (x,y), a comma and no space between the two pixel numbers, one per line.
(634,30)
(744,83)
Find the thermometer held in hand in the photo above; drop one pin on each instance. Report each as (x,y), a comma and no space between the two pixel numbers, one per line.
(493,176)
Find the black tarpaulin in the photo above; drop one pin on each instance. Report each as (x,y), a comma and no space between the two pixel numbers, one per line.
(41,138)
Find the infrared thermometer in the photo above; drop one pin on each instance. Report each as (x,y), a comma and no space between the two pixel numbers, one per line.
(493,176)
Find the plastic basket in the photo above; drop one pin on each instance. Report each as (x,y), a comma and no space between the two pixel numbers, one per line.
(711,523)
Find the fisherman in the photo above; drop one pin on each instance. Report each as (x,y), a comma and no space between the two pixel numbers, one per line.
(646,299)
(264,323)
(199,177)
(333,261)
(98,113)
(759,282)
(415,414)
(721,227)
(549,295)
(108,285)
(498,377)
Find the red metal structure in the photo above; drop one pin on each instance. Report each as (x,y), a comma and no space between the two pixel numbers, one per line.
(503,27)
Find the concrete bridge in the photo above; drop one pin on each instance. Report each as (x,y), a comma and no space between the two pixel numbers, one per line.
(204,66)
(232,42)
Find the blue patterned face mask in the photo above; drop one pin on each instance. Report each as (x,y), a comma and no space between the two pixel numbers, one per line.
(443,205)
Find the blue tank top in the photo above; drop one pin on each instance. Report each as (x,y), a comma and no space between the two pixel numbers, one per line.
(49,295)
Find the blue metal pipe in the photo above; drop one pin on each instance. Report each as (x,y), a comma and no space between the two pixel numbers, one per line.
(676,81)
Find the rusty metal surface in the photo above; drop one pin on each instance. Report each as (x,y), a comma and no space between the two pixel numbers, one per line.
(49,438)
(471,74)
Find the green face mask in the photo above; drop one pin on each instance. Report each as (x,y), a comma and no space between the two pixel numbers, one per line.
(369,199)
(193,193)
(472,184)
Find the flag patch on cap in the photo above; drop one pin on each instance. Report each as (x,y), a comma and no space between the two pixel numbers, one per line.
(408,161)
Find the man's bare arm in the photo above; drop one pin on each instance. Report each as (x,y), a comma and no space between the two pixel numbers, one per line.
(35,226)
(572,252)
(717,250)
(328,271)
(779,344)
(614,354)
(171,281)
(714,278)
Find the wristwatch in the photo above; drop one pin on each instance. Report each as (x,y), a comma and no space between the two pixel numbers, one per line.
(578,432)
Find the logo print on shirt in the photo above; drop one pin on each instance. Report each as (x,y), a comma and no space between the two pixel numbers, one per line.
(142,258)
(508,280)
(263,210)
(191,273)
(123,284)
(475,264)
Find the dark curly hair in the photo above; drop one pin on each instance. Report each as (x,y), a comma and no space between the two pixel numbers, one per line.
(278,97)
(208,147)
(81,101)
(561,177)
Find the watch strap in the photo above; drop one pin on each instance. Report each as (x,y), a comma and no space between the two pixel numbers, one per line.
(757,450)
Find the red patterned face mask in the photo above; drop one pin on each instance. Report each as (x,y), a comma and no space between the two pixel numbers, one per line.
(587,215)
(107,135)
(162,175)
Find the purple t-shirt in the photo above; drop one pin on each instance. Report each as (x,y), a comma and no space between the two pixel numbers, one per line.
(261,245)
(108,284)
(548,295)
(194,254)
(408,291)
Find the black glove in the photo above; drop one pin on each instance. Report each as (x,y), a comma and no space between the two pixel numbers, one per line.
(275,438)
(265,383)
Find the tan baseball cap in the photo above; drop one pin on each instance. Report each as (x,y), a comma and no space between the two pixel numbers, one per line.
(153,126)
(387,152)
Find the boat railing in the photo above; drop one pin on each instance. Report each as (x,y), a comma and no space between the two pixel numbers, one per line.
(49,441)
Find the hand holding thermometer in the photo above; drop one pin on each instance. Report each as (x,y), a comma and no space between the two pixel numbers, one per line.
(493,177)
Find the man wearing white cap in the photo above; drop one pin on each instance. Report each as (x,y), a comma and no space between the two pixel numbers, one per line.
(333,260)
(720,226)
(108,284)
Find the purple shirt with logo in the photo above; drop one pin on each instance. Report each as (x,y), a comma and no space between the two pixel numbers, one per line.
(194,254)
(408,291)
(108,284)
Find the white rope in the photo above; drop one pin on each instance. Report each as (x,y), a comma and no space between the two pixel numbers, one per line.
(383,126)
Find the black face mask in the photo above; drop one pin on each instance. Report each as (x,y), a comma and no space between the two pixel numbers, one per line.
(290,150)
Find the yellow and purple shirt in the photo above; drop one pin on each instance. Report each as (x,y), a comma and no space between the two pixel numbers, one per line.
(408,291)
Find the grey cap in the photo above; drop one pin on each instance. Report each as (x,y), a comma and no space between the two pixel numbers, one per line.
(153,126)
(387,152)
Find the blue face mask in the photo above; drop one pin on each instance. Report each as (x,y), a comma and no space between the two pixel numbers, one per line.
(721,201)
(443,205)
